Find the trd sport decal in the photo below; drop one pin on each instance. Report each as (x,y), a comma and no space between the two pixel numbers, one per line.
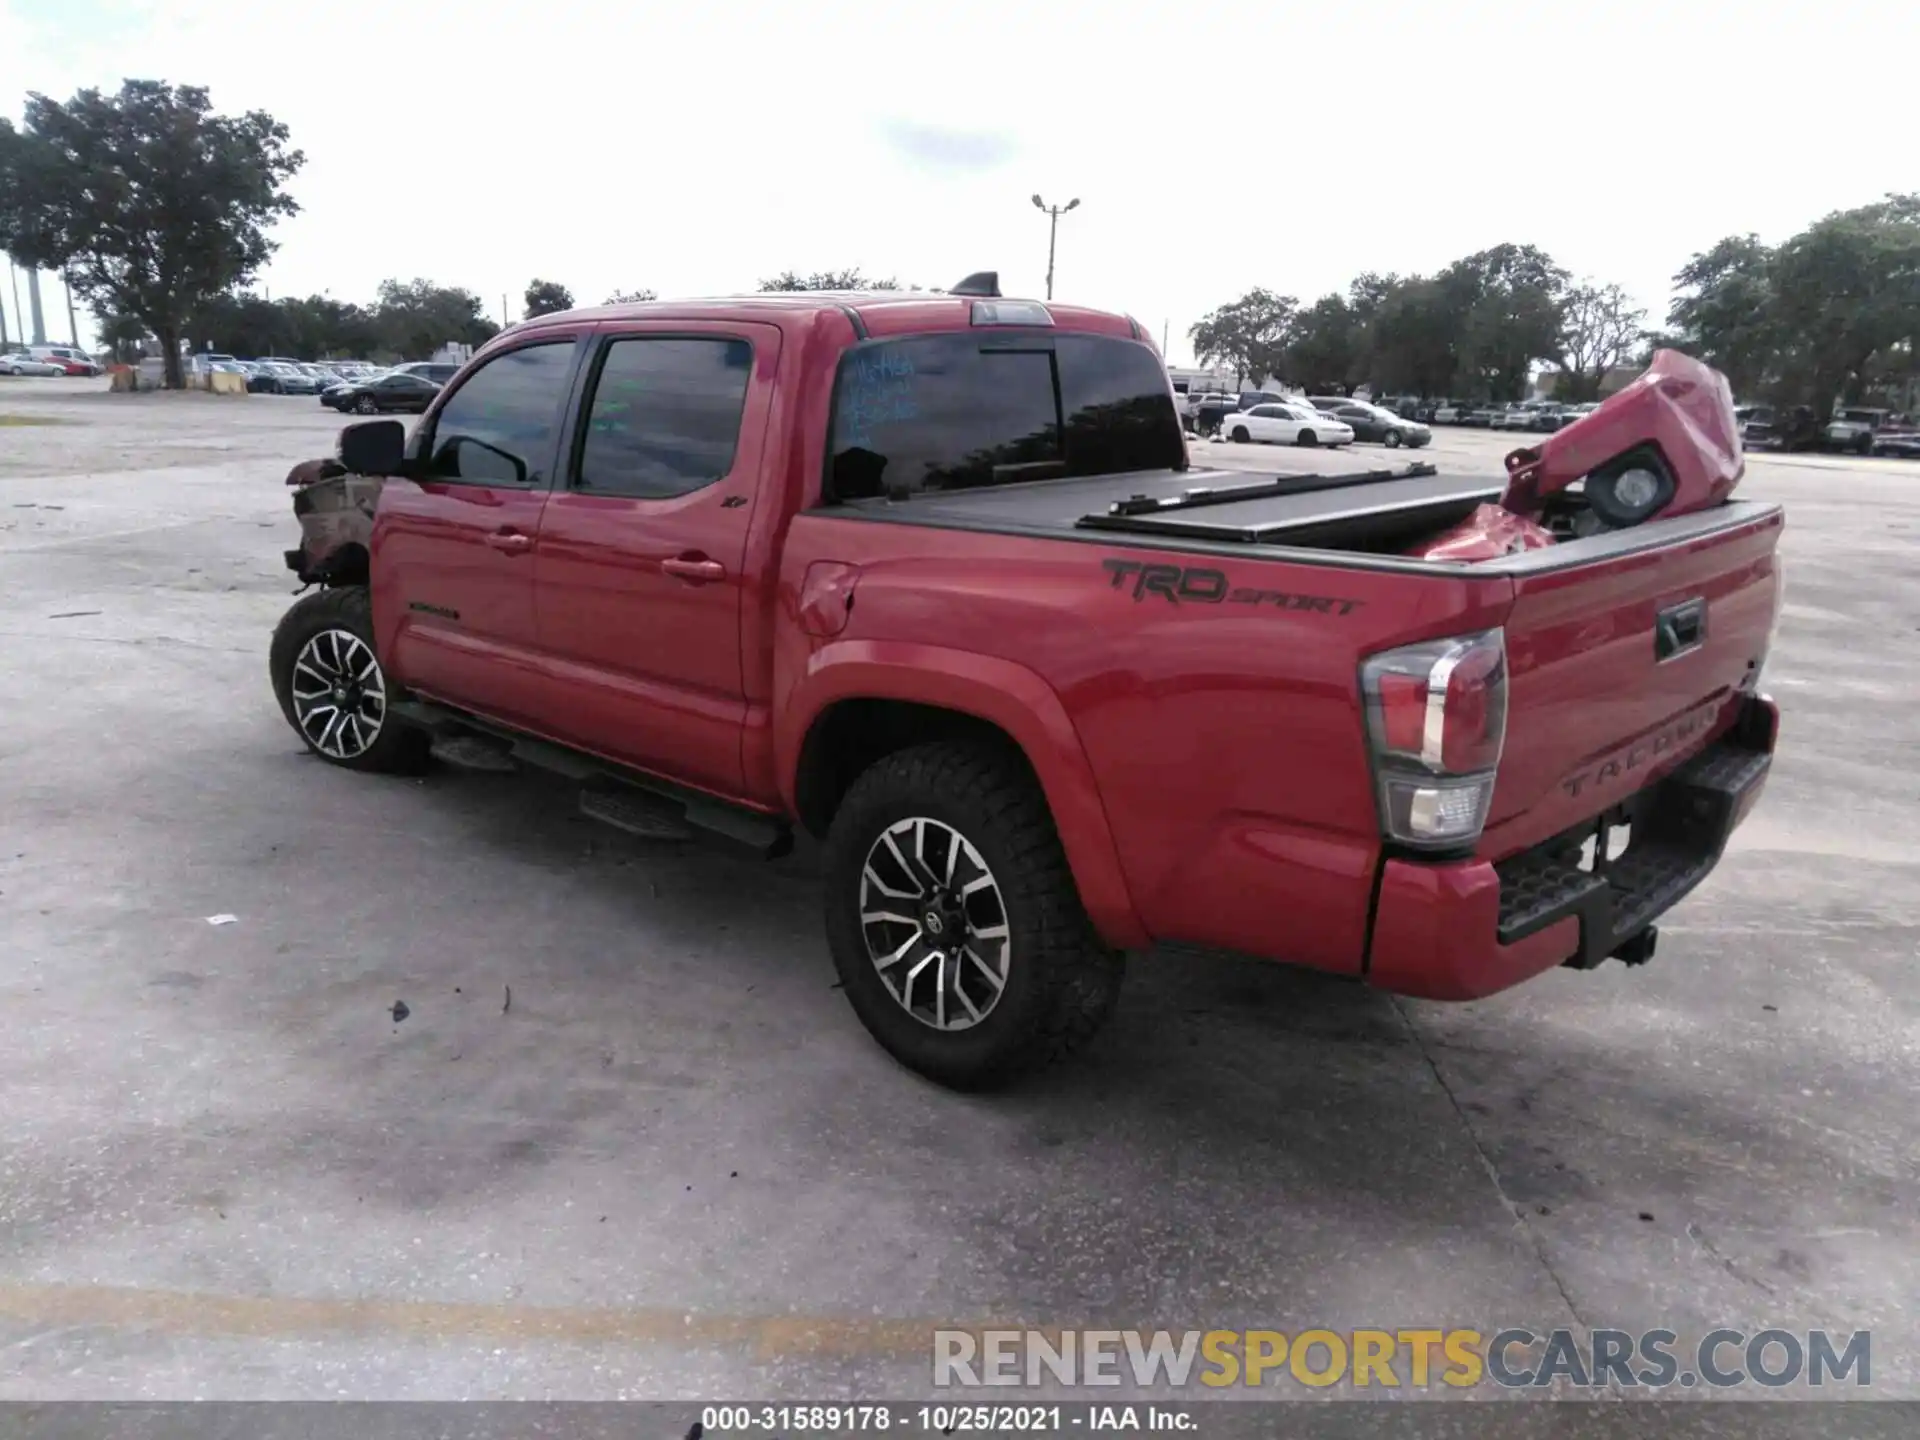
(1197,585)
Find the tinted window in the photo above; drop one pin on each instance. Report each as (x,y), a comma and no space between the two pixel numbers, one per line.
(505,412)
(1268,412)
(665,416)
(946,412)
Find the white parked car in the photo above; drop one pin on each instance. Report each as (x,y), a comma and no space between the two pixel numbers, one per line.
(1286,424)
(19,362)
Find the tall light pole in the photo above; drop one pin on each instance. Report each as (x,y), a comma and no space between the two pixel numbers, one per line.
(73,325)
(1054,212)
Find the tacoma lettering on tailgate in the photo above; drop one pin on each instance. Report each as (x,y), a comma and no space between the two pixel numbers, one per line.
(1666,743)
(1201,585)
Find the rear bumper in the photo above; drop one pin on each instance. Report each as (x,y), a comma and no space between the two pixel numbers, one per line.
(1461,931)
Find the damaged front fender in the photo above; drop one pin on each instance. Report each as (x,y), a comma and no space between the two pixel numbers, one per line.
(335,509)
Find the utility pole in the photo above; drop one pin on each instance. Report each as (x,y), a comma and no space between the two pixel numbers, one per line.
(18,314)
(33,303)
(73,325)
(1054,212)
(504,322)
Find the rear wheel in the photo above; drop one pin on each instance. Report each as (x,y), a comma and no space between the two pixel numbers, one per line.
(332,689)
(1392,438)
(366,405)
(954,921)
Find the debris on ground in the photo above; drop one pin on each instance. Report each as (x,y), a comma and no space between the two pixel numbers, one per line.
(223,919)
(400,1011)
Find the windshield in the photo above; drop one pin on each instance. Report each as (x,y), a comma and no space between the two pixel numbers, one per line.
(956,411)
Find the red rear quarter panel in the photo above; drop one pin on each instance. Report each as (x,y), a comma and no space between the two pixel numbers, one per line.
(1218,743)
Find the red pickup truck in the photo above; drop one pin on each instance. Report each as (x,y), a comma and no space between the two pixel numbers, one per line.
(932,578)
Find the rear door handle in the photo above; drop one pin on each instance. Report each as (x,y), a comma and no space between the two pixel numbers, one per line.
(697,568)
(511,541)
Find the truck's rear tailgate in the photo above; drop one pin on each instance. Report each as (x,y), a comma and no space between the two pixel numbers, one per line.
(1603,696)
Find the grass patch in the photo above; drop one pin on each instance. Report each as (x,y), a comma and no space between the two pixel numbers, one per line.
(6,420)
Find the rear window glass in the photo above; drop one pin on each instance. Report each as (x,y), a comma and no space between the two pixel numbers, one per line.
(951,412)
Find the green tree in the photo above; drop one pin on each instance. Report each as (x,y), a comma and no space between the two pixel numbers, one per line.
(1506,309)
(151,202)
(1325,348)
(789,280)
(1846,295)
(121,336)
(1723,312)
(547,297)
(629,297)
(1413,340)
(1600,329)
(413,318)
(1249,334)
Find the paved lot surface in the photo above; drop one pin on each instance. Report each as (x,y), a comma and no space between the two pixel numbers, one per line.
(675,1165)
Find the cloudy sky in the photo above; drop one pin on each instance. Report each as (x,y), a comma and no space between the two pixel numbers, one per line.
(692,149)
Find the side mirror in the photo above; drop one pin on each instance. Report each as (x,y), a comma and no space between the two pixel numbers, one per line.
(374,447)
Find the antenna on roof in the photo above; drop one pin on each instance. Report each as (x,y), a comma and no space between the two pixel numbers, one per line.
(984,283)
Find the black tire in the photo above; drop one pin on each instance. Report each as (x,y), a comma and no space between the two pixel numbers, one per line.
(1060,981)
(366,405)
(1307,438)
(1240,435)
(393,748)
(1392,439)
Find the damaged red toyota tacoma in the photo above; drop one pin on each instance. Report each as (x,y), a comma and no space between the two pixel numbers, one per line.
(932,578)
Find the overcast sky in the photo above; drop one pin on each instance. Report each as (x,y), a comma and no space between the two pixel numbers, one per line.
(693,149)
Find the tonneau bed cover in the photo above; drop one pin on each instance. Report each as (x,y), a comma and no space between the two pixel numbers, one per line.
(1283,508)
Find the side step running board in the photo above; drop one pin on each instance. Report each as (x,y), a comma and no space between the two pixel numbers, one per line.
(639,804)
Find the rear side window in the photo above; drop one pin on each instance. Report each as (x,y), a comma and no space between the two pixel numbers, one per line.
(665,416)
(951,412)
(498,427)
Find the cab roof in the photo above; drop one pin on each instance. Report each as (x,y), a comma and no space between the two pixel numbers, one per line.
(873,312)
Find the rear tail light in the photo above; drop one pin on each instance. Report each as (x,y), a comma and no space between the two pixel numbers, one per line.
(1436,720)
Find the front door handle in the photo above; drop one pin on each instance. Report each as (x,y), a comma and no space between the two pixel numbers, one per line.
(696,568)
(511,541)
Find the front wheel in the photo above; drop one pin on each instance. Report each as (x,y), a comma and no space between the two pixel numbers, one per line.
(1240,435)
(331,686)
(1307,438)
(954,921)
(366,405)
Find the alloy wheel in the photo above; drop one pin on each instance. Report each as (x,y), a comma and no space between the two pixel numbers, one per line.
(935,924)
(339,694)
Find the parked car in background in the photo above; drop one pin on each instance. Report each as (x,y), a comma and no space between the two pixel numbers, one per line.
(438,371)
(1209,410)
(1286,423)
(71,359)
(347,382)
(1854,429)
(22,362)
(286,377)
(397,390)
(1372,422)
(1451,412)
